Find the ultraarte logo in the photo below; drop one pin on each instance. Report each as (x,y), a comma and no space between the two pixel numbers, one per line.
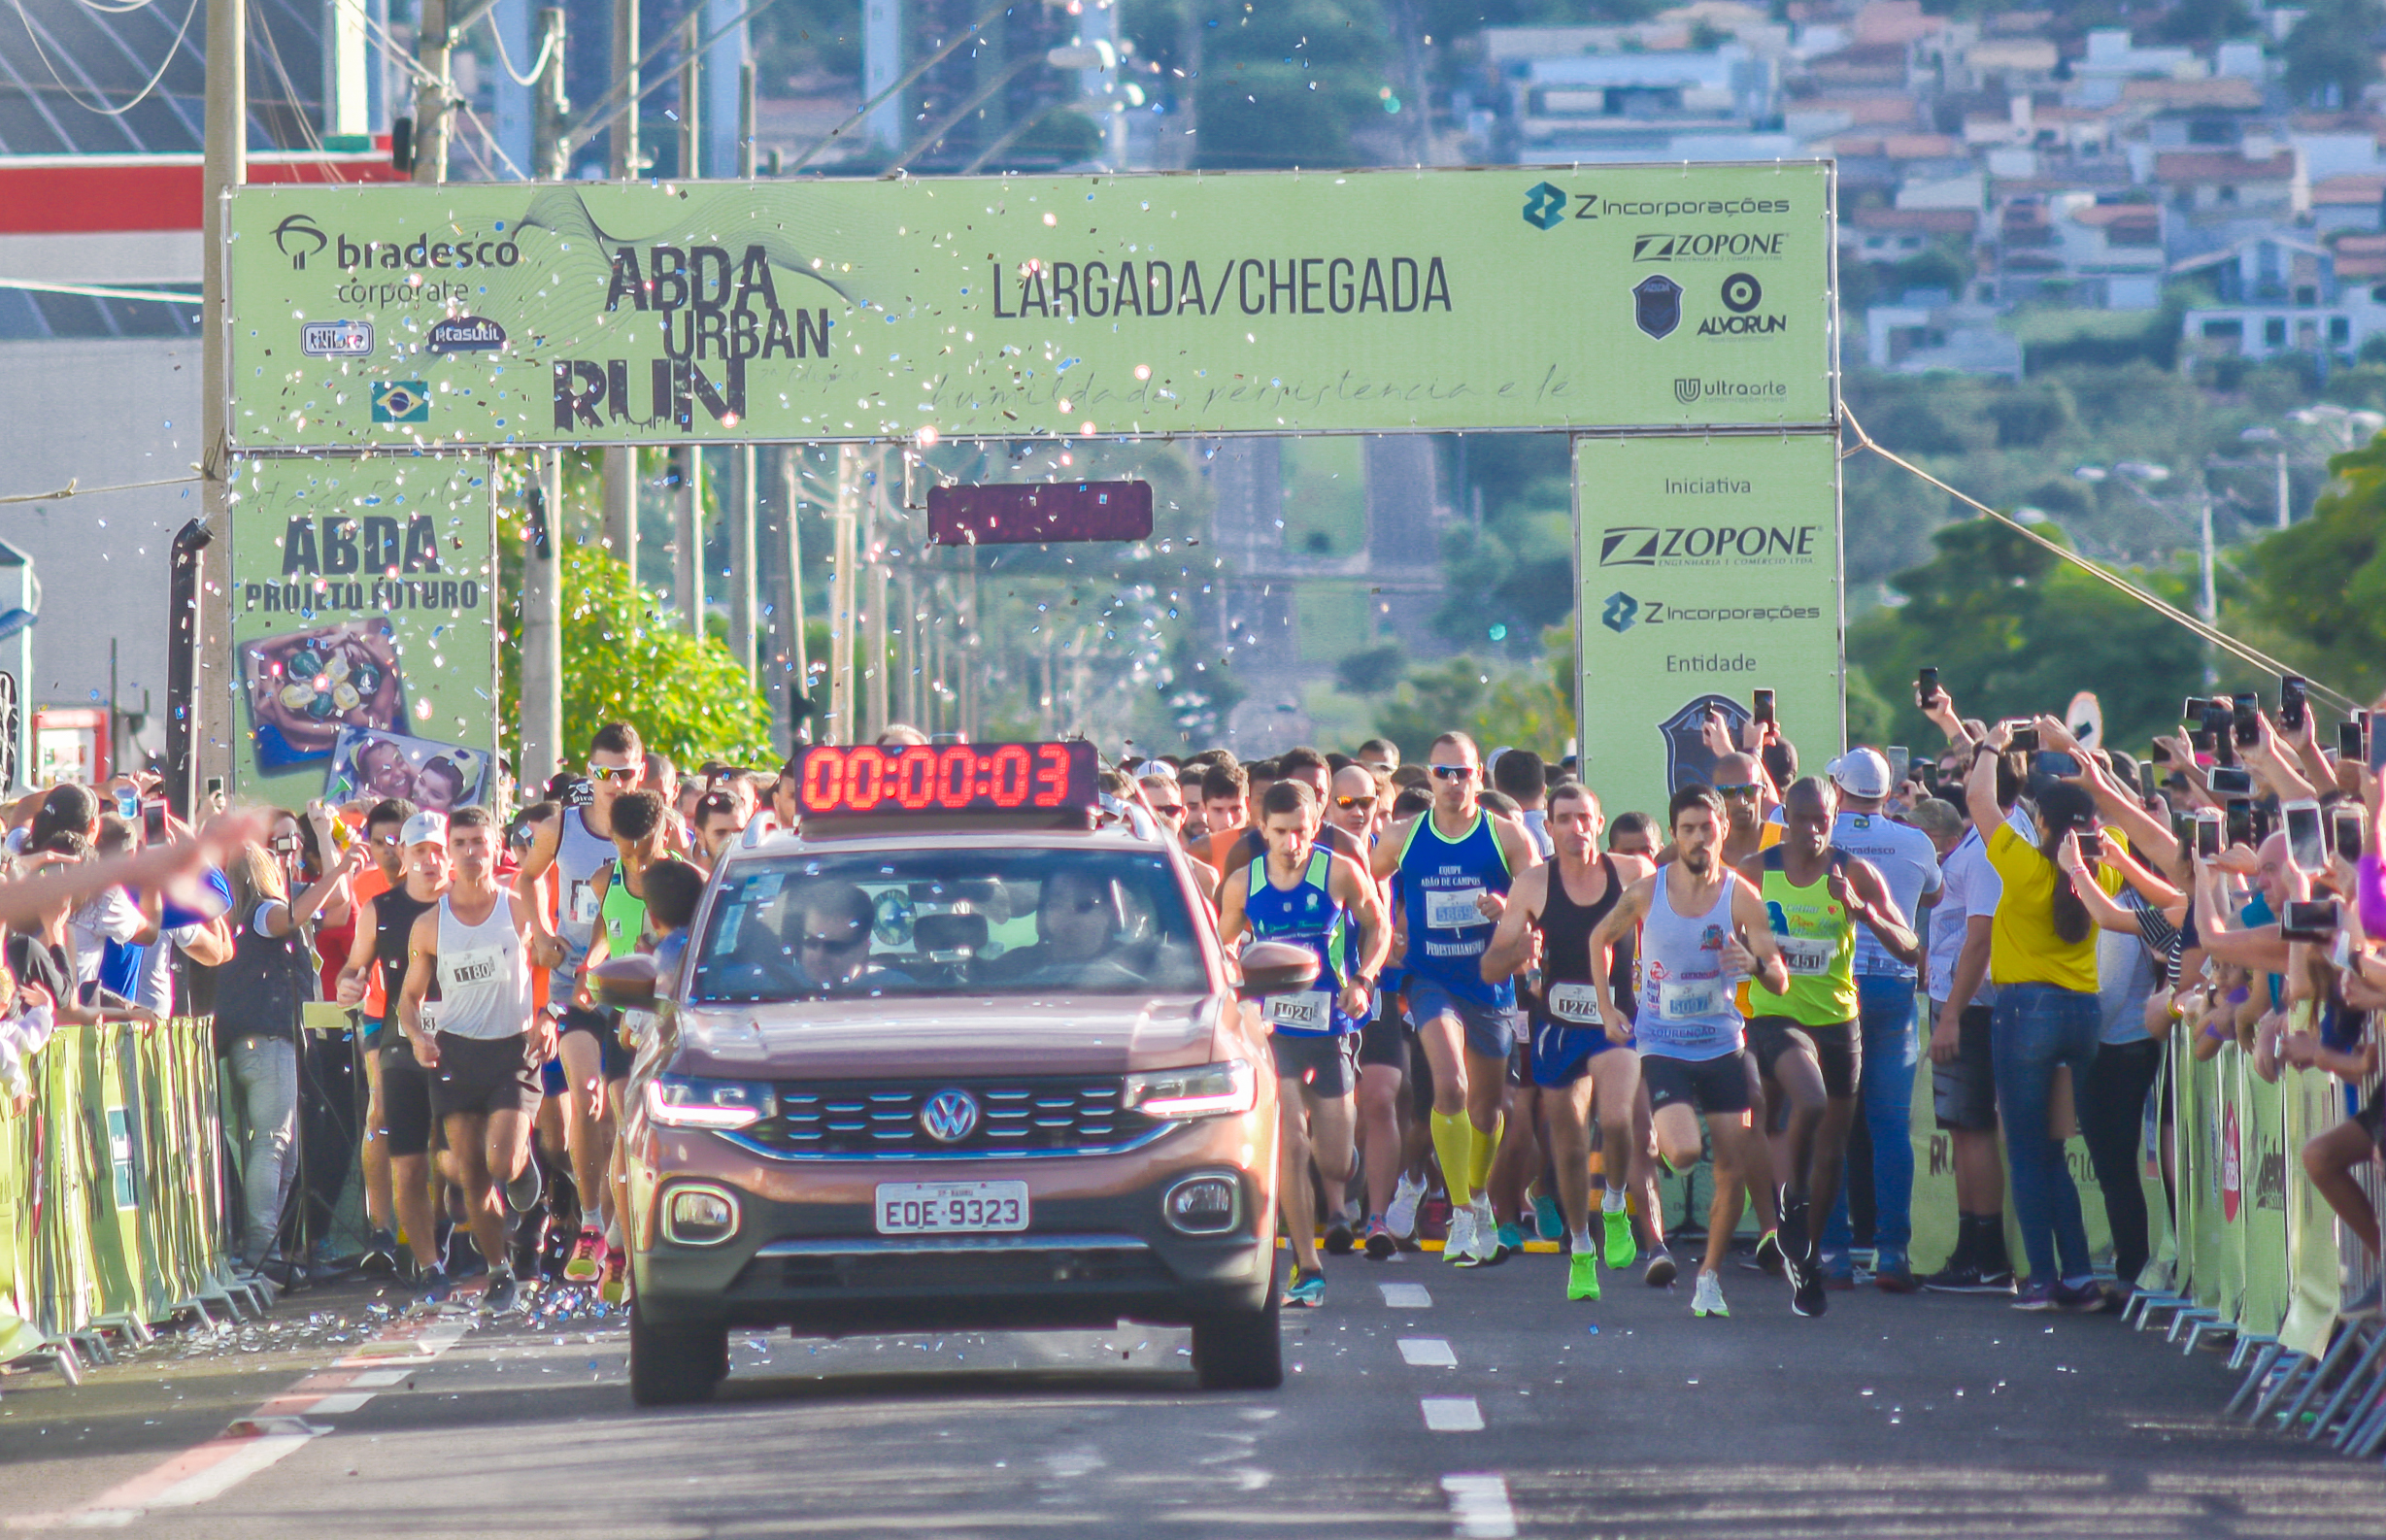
(1708,545)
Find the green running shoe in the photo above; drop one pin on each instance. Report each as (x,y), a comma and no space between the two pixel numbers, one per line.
(1582,1277)
(1622,1250)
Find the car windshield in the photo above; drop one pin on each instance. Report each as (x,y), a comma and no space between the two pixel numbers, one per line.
(930,922)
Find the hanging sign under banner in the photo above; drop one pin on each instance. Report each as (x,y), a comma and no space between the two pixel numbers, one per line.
(1280,302)
(364,639)
(1709,570)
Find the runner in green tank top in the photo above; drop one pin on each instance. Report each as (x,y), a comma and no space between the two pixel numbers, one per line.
(1805,1035)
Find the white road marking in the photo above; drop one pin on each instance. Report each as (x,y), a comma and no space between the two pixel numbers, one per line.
(1452,1414)
(1406,1296)
(230,1471)
(1428,1353)
(380,1379)
(1479,1506)
(343,1401)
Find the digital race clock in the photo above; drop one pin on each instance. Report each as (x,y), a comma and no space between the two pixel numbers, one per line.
(975,778)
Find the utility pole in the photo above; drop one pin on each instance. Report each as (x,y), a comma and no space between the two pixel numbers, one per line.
(790,477)
(622,139)
(745,487)
(2208,605)
(841,588)
(691,101)
(540,753)
(433,90)
(875,617)
(688,550)
(2285,494)
(205,709)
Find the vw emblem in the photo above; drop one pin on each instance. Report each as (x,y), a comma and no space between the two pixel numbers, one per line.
(949,1115)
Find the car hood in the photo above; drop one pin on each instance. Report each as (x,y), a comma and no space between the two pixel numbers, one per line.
(967,1035)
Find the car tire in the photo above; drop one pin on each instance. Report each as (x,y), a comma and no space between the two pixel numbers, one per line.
(672,1365)
(1243,1350)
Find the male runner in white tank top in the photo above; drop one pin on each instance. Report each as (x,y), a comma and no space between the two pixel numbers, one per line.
(481,944)
(1703,928)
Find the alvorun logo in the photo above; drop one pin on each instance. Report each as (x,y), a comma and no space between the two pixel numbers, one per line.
(1545,206)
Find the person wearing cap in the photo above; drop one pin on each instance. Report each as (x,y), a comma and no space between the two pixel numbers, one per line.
(1885,989)
(2042,960)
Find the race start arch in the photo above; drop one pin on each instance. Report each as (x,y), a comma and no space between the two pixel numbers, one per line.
(1678,321)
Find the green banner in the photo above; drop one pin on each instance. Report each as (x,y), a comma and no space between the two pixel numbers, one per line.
(1709,568)
(364,637)
(1277,302)
(2264,1203)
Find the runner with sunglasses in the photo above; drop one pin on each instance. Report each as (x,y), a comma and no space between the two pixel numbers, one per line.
(1388,1148)
(1164,795)
(1456,864)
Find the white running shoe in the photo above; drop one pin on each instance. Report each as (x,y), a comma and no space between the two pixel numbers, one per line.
(1487,1233)
(1708,1299)
(1461,1245)
(1401,1217)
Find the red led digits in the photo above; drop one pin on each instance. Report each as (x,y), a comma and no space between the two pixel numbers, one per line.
(956,778)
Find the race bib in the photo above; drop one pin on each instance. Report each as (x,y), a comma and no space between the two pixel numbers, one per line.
(1576,1003)
(1453,908)
(1680,1002)
(1807,955)
(584,909)
(1309,1011)
(463,969)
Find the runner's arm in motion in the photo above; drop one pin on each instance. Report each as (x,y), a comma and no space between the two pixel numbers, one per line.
(421,961)
(1755,943)
(1980,781)
(1385,859)
(1620,922)
(1234,922)
(1868,899)
(1511,944)
(1358,895)
(545,947)
(546,838)
(350,987)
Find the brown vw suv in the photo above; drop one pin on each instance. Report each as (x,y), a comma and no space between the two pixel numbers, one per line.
(930,1070)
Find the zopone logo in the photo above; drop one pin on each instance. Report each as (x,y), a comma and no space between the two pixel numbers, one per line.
(297,239)
(1706,546)
(1708,246)
(1545,206)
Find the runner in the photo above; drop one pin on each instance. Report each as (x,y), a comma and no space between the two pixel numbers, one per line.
(411,848)
(1455,863)
(621,909)
(1701,926)
(1304,893)
(484,1050)
(1806,1033)
(578,844)
(1389,1145)
(1551,911)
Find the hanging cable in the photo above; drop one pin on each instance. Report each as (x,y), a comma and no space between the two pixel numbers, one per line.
(74,489)
(505,61)
(2209,634)
(109,112)
(164,296)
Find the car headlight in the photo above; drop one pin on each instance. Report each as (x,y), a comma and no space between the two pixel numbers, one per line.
(683,1101)
(1203,1090)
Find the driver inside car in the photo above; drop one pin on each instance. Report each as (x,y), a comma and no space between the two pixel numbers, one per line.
(831,942)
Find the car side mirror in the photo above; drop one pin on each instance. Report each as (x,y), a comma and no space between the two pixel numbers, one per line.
(1277,967)
(624,984)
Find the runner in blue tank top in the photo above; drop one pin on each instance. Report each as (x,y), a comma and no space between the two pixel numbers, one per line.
(1303,893)
(1455,864)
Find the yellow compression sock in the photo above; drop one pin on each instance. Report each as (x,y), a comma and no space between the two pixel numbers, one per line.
(1486,1147)
(1454,1143)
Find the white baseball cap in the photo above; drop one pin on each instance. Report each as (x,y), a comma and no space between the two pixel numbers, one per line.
(1861,773)
(425,828)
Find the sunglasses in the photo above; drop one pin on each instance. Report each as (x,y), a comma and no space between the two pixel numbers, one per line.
(1454,772)
(812,943)
(1737,791)
(1346,804)
(1169,810)
(608,772)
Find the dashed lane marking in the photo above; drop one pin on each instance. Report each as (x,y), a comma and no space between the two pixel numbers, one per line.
(1428,1353)
(1452,1414)
(1406,1296)
(1479,1507)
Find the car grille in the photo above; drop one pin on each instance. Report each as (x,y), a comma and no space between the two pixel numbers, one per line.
(1028,1115)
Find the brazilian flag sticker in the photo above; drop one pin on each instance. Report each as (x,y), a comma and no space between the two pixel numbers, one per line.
(402,401)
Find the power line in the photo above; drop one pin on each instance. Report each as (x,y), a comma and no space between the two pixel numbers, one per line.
(163,64)
(75,490)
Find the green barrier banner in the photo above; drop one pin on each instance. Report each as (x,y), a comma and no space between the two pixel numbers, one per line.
(364,634)
(111,1195)
(2314,1103)
(1934,1211)
(65,1270)
(2263,1203)
(18,1335)
(1272,302)
(1709,568)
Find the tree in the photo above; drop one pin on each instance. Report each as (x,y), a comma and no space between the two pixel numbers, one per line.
(1372,670)
(626,660)
(2321,586)
(1524,709)
(1284,84)
(2332,51)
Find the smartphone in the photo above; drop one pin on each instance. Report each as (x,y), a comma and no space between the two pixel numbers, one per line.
(2207,833)
(2229,781)
(1927,770)
(2349,747)
(2199,739)
(2025,740)
(2245,719)
(1762,710)
(154,822)
(2291,702)
(214,788)
(2373,740)
(2308,919)
(2161,753)
(1926,689)
(2306,840)
(2238,812)
(2053,763)
(2216,726)
(2344,833)
(1900,763)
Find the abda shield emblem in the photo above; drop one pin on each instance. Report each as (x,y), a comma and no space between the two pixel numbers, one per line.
(1657,305)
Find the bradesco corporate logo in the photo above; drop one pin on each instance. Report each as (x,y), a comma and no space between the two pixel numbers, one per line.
(1623,610)
(1710,544)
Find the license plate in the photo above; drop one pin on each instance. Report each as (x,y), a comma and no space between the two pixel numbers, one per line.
(951,1208)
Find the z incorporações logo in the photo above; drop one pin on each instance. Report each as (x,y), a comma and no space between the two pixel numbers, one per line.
(299,238)
(1621,611)
(1545,206)
(1657,305)
(1706,545)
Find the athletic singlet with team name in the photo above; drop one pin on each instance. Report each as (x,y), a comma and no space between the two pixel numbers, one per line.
(1817,938)
(1687,1010)
(1565,927)
(1441,880)
(1304,915)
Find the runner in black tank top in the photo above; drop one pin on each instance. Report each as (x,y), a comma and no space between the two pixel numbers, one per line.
(1574,1054)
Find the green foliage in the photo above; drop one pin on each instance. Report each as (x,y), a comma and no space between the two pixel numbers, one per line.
(626,659)
(2331,49)
(1285,82)
(1519,708)
(2321,586)
(1505,584)
(2015,630)
(1373,671)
